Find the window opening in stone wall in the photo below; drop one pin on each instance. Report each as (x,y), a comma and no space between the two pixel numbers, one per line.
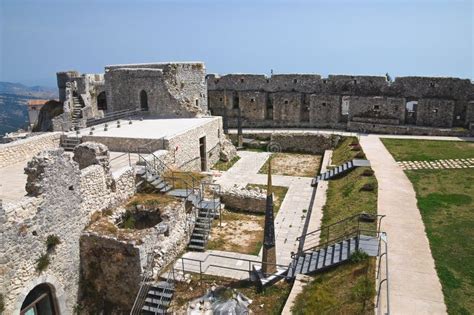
(143,100)
(39,301)
(286,101)
(269,110)
(345,107)
(432,84)
(235,103)
(220,99)
(323,104)
(241,80)
(197,102)
(410,112)
(295,81)
(377,108)
(252,100)
(102,101)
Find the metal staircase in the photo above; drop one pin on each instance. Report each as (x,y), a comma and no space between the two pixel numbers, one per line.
(334,244)
(339,170)
(158,175)
(68,143)
(158,298)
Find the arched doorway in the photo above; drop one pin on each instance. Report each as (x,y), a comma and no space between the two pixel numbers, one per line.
(101,101)
(143,100)
(40,301)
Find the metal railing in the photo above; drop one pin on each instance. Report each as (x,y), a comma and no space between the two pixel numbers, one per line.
(120,114)
(145,285)
(332,233)
(250,264)
(380,281)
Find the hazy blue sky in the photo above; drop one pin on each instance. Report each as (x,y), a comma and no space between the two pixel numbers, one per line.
(413,37)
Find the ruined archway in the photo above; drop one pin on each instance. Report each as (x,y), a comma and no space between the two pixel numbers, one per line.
(102,101)
(143,100)
(411,106)
(41,300)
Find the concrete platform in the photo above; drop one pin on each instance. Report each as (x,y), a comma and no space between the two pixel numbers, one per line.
(146,129)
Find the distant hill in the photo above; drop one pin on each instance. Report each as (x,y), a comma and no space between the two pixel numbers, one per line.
(13,99)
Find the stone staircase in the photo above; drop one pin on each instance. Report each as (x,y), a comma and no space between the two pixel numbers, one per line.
(158,298)
(68,143)
(77,105)
(339,170)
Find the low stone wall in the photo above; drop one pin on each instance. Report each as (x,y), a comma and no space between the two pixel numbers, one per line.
(242,199)
(405,130)
(304,142)
(25,149)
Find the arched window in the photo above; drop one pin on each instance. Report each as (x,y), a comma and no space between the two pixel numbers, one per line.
(101,101)
(40,301)
(143,100)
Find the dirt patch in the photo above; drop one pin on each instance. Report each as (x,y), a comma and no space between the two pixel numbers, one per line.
(293,164)
(240,232)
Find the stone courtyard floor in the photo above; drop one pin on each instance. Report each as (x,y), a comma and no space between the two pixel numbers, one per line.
(289,222)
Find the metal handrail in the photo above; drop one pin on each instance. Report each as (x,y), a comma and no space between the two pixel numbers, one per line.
(112,116)
(383,238)
(144,285)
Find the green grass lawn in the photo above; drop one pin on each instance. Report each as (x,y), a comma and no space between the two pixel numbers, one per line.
(224,166)
(428,150)
(446,202)
(348,288)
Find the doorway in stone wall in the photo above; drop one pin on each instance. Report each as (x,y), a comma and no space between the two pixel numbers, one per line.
(143,100)
(410,112)
(40,301)
(202,153)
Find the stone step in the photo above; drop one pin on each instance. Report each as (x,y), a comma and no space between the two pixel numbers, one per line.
(196,247)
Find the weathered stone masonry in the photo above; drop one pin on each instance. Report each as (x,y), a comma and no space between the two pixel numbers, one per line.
(367,103)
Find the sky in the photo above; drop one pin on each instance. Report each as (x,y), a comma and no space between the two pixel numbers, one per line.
(409,37)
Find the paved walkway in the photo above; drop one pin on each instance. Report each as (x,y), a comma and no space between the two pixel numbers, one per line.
(436,164)
(289,221)
(414,283)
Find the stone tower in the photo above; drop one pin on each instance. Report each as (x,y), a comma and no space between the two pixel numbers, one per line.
(269,248)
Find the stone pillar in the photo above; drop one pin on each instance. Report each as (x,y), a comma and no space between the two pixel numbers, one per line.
(269,247)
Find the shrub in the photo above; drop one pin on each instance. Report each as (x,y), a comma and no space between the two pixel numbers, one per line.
(52,241)
(359,256)
(128,221)
(42,262)
(368,172)
(368,187)
(360,155)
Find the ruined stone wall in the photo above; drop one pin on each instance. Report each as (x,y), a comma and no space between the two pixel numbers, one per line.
(377,108)
(435,113)
(242,199)
(304,142)
(60,202)
(187,156)
(24,149)
(362,93)
(172,89)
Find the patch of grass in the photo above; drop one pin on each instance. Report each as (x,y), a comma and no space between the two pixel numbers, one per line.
(446,202)
(150,200)
(346,289)
(279,193)
(225,166)
(293,164)
(42,262)
(428,150)
(344,151)
(182,179)
(52,241)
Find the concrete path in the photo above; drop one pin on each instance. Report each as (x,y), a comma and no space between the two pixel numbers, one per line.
(414,284)
(12,182)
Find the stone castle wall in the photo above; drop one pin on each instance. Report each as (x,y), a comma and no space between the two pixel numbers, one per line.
(61,200)
(25,149)
(172,89)
(312,101)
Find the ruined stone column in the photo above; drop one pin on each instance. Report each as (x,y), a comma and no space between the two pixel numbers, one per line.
(269,247)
